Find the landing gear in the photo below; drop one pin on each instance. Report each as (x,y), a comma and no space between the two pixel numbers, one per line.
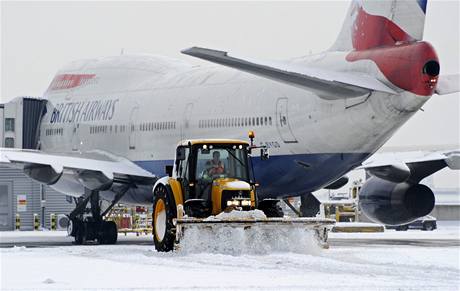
(91,228)
(309,205)
(271,208)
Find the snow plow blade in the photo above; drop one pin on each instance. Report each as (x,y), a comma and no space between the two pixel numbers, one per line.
(306,221)
(320,226)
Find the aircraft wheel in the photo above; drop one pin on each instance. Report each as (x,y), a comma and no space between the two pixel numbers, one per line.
(271,208)
(109,233)
(164,211)
(80,233)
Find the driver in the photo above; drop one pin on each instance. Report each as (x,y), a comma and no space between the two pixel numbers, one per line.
(215,166)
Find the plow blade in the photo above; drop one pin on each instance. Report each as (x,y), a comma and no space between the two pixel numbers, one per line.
(319,226)
(305,221)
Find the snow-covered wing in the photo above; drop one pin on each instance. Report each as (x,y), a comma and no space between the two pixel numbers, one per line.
(84,165)
(448,84)
(326,84)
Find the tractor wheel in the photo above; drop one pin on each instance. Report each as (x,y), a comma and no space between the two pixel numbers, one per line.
(164,211)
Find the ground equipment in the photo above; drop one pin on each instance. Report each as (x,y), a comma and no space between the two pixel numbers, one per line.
(211,177)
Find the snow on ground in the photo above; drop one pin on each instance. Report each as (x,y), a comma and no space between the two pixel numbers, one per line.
(383,267)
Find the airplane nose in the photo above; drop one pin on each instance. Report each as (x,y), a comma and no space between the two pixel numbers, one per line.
(431,68)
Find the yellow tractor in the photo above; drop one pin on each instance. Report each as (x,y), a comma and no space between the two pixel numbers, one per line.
(209,177)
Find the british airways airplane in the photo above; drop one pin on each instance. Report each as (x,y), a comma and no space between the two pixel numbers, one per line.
(111,124)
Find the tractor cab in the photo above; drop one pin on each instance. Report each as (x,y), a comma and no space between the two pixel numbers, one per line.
(214,175)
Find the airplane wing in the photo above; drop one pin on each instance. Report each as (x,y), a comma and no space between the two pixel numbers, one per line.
(326,84)
(94,170)
(410,166)
(448,84)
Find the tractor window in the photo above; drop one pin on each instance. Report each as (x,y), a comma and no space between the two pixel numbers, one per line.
(227,161)
(182,165)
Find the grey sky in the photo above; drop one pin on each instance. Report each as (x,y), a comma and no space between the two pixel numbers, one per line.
(39,37)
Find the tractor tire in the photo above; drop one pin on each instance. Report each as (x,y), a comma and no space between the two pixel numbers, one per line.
(164,211)
(109,233)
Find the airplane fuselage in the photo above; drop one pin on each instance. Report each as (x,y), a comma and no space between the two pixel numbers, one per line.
(139,108)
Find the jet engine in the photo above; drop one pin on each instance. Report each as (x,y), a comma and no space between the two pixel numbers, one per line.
(392,203)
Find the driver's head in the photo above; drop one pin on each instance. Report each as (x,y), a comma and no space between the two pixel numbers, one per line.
(216,156)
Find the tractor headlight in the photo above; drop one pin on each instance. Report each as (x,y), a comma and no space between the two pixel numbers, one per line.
(236,203)
(246,203)
(233,203)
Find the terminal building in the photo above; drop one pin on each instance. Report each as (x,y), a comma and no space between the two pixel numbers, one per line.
(19,195)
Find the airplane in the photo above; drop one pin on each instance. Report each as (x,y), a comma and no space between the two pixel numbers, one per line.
(111,124)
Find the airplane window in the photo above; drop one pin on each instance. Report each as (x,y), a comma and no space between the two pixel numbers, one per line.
(266,120)
(257,121)
(270,120)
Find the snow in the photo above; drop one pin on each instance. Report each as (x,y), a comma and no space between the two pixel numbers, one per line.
(235,214)
(350,267)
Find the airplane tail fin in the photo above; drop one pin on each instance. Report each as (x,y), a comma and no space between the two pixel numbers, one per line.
(369,24)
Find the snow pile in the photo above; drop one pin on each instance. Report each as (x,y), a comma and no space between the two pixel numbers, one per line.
(235,215)
(19,249)
(240,240)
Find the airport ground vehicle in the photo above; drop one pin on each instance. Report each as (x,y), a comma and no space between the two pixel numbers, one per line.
(427,222)
(212,176)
